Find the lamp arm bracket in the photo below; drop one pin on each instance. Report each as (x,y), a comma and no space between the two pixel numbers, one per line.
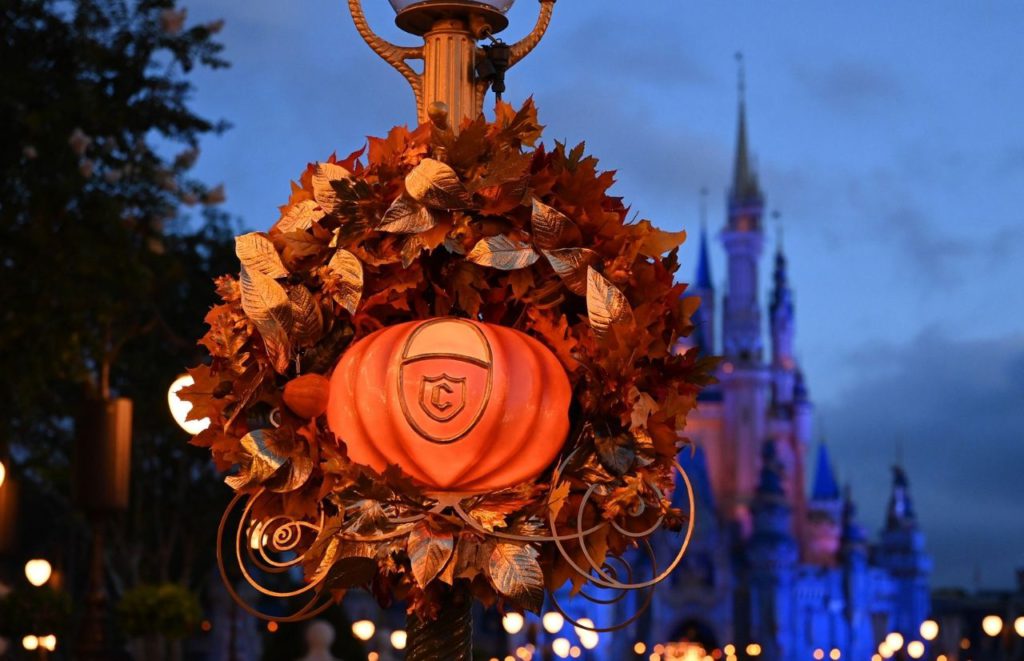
(522,48)
(389,52)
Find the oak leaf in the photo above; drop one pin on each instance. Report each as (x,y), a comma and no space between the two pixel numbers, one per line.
(503,253)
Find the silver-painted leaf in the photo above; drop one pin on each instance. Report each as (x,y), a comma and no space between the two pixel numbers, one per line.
(300,216)
(429,551)
(256,252)
(406,216)
(267,305)
(516,574)
(436,185)
(551,228)
(571,265)
(346,286)
(308,319)
(606,305)
(501,252)
(323,191)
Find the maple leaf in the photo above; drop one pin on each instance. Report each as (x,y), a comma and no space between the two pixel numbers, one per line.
(205,394)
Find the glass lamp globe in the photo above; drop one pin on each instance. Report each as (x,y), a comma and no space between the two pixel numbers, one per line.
(419,16)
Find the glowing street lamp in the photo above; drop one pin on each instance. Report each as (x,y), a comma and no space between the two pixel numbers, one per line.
(180,408)
(38,572)
(363,629)
(512,622)
(929,629)
(992,625)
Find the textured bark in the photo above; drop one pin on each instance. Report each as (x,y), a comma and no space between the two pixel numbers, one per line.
(449,637)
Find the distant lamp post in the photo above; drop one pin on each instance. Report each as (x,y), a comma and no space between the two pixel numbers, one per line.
(180,408)
(929,630)
(992,625)
(38,572)
(512,623)
(457,72)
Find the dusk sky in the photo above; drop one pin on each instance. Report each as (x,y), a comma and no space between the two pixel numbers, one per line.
(888,136)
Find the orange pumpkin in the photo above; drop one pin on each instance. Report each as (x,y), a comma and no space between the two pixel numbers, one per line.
(307,395)
(459,405)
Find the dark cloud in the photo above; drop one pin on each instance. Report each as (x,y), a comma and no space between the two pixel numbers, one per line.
(954,409)
(848,86)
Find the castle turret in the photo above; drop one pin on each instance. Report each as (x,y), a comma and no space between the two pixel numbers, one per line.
(703,286)
(853,554)
(772,554)
(824,514)
(901,551)
(783,329)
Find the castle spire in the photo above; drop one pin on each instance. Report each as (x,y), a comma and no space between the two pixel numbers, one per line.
(826,487)
(745,189)
(703,286)
(900,514)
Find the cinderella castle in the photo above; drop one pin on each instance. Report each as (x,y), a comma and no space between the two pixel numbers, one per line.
(780,568)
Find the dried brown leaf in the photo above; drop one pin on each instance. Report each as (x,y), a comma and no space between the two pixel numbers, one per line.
(257,253)
(551,228)
(436,185)
(346,286)
(606,305)
(516,574)
(658,242)
(429,551)
(267,305)
(571,265)
(406,216)
(323,190)
(503,253)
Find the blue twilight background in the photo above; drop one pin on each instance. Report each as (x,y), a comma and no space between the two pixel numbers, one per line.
(887,135)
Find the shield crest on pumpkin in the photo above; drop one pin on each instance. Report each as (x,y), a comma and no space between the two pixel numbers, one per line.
(445,378)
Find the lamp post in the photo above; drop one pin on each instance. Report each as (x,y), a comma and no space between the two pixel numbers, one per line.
(457,72)
(103,433)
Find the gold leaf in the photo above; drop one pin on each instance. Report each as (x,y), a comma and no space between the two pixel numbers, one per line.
(267,305)
(300,216)
(298,470)
(260,445)
(346,286)
(411,249)
(557,499)
(257,253)
(606,305)
(552,228)
(658,242)
(406,216)
(436,185)
(502,253)
(323,191)
(429,551)
(571,265)
(516,574)
(308,322)
(643,406)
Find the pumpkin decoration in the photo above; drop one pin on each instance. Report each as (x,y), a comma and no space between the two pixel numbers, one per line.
(306,395)
(459,405)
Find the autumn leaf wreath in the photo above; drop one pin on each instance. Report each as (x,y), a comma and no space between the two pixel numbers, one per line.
(482,225)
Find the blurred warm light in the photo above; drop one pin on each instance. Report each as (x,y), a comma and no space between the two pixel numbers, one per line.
(835,654)
(915,649)
(49,643)
(513,622)
(965,643)
(729,649)
(1018,626)
(884,650)
(819,654)
(38,571)
(363,629)
(992,625)
(876,657)
(894,641)
(929,629)
(753,649)
(942,657)
(3,473)
(561,647)
(180,408)
(553,622)
(206,625)
(575,652)
(373,656)
(588,639)
(30,643)
(399,638)
(272,626)
(639,648)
